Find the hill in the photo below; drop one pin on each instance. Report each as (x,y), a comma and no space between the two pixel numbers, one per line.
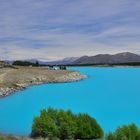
(125,57)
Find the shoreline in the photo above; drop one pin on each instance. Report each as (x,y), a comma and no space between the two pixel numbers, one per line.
(70,76)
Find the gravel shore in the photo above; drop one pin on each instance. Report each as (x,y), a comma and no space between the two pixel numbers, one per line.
(12,80)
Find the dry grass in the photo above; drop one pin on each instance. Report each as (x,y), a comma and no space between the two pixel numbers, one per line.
(9,76)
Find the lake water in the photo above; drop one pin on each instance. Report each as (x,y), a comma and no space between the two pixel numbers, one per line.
(111,95)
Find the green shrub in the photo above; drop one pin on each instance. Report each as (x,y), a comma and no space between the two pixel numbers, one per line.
(65,125)
(88,127)
(126,132)
(44,126)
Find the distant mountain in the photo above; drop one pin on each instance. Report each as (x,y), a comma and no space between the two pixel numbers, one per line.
(125,57)
(35,60)
(67,60)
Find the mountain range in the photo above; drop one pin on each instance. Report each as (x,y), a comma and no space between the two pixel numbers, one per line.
(125,57)
(65,61)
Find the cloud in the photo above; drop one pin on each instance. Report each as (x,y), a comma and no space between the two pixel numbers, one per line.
(51,29)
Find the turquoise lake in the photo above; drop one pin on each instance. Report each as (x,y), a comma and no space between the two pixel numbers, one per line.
(111,95)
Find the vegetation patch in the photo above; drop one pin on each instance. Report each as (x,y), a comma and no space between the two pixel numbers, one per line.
(60,124)
(126,132)
(13,85)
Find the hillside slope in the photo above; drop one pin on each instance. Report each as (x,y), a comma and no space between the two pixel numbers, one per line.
(125,57)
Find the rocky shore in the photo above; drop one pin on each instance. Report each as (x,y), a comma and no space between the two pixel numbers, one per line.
(12,80)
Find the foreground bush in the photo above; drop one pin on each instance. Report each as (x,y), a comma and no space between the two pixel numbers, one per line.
(126,132)
(62,124)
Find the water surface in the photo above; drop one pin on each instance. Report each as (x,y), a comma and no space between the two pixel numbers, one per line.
(111,95)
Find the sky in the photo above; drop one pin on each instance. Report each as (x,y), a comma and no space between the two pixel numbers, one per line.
(54,29)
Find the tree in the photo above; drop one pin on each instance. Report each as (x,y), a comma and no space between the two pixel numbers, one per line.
(110,136)
(62,67)
(88,128)
(37,63)
(125,132)
(65,125)
(25,63)
(44,126)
